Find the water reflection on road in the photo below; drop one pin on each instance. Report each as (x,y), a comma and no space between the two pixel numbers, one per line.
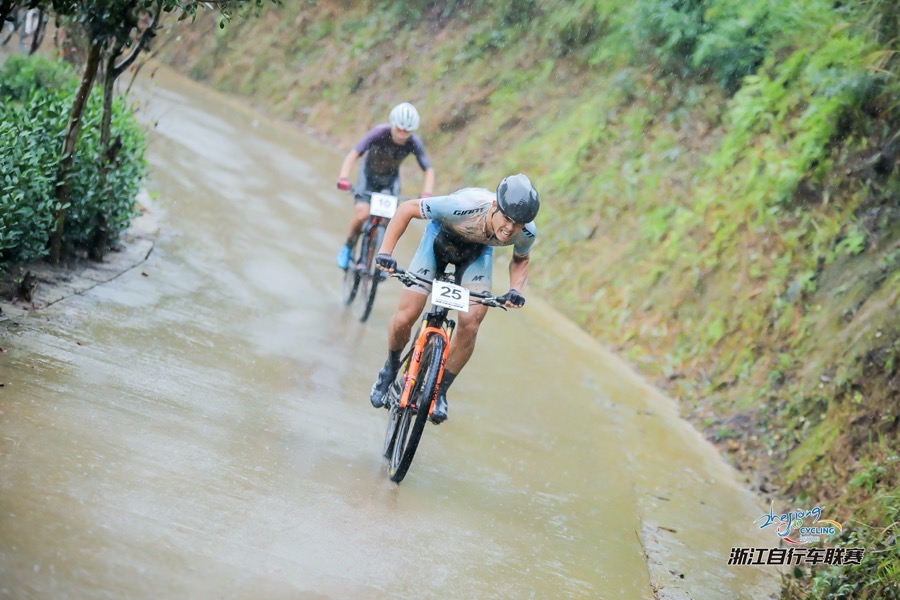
(200,426)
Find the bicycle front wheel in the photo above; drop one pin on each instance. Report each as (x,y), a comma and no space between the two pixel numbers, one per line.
(371,275)
(409,432)
(351,273)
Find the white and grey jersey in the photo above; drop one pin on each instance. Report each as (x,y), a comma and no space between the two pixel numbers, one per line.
(466,214)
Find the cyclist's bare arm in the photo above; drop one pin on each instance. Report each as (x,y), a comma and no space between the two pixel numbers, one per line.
(518,273)
(428,186)
(406,212)
(349,161)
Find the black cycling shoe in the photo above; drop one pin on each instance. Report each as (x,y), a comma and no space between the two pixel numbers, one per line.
(439,412)
(381,386)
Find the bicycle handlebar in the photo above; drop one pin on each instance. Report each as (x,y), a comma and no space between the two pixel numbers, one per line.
(410,279)
(354,191)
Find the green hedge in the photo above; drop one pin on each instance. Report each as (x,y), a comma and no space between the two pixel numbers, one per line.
(35,100)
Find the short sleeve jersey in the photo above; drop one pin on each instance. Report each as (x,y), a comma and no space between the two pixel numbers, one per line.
(383,156)
(466,213)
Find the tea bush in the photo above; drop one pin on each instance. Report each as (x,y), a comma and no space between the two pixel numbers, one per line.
(35,100)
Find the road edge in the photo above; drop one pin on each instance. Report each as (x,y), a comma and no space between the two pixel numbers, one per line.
(78,275)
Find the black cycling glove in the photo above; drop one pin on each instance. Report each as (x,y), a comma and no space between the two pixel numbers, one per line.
(386,261)
(515,298)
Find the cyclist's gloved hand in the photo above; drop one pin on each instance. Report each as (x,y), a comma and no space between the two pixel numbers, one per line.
(343,184)
(386,262)
(423,195)
(514,298)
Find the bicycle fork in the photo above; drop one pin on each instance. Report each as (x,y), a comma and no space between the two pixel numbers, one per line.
(369,232)
(415,361)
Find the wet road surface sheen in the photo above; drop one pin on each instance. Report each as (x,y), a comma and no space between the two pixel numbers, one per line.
(199,427)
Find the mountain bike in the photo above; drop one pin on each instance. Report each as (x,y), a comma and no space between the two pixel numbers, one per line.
(410,399)
(362,277)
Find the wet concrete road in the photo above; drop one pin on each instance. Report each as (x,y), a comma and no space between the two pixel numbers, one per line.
(199,427)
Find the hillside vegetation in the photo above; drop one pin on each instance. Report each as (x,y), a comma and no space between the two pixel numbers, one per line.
(721,197)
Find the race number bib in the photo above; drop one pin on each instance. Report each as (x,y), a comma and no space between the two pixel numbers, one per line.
(383,205)
(450,296)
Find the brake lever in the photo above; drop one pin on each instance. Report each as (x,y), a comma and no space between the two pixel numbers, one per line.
(492,302)
(407,280)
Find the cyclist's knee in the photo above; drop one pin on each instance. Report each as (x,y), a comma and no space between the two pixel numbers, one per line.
(410,307)
(361,211)
(406,316)
(468,323)
(476,315)
(400,329)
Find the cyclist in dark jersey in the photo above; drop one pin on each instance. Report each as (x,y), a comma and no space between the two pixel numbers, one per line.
(384,146)
(470,222)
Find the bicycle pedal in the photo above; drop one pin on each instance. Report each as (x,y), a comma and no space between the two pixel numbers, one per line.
(391,399)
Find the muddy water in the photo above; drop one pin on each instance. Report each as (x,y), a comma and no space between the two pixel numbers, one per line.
(199,427)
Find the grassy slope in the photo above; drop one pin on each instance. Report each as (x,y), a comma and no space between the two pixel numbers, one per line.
(761,294)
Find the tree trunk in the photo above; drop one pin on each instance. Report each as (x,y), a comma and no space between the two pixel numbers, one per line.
(114,68)
(109,82)
(68,149)
(99,239)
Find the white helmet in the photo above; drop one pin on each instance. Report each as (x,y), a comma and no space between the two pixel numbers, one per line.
(405,116)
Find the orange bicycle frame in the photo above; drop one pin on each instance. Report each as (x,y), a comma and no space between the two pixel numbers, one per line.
(415,361)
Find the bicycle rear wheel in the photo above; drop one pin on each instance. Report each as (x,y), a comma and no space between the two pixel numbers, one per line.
(351,273)
(408,432)
(371,275)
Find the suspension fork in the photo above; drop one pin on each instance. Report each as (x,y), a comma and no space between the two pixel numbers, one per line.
(367,232)
(370,230)
(448,336)
(415,361)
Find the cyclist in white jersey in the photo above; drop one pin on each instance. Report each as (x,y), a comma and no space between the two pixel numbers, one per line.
(469,222)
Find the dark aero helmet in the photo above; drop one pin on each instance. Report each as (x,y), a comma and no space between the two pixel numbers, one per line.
(517,198)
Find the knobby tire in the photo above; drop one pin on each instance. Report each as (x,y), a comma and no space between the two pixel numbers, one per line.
(393,400)
(371,275)
(351,273)
(409,432)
